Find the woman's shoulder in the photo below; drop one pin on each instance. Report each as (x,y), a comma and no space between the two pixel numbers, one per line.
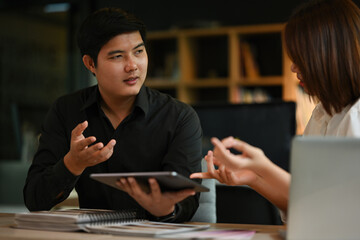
(350,121)
(355,108)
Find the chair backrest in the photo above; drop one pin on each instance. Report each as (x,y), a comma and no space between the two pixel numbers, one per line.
(207,202)
(12,180)
(269,126)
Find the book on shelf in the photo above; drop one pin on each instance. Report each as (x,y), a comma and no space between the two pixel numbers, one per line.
(122,222)
(257,95)
(169,71)
(250,67)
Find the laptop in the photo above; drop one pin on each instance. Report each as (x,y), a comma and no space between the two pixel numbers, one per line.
(325,189)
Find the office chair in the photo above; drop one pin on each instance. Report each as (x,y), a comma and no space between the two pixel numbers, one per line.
(207,202)
(269,126)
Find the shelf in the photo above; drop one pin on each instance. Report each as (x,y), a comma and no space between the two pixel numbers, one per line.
(161,35)
(218,82)
(262,81)
(237,64)
(259,29)
(202,61)
(206,94)
(161,83)
(247,29)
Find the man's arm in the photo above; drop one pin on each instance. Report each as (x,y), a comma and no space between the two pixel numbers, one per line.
(82,155)
(56,167)
(48,181)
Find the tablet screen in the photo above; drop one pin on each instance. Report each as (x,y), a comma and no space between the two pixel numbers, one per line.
(168,181)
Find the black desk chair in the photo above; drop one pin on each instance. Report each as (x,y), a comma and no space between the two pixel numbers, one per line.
(269,126)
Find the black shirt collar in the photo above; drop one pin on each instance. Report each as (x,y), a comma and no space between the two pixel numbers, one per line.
(141,101)
(94,97)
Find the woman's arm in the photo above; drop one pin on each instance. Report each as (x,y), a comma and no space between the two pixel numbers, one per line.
(251,168)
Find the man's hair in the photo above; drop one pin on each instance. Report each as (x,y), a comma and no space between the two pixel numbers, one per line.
(104,24)
(322,38)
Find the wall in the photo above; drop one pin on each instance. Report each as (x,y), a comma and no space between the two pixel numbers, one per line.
(165,14)
(162,14)
(33,60)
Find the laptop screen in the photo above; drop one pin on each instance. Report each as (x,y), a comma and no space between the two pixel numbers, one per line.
(325,188)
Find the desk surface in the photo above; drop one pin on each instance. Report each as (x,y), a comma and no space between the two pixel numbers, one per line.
(263,232)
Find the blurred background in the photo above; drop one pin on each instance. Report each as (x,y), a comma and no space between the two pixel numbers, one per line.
(39,59)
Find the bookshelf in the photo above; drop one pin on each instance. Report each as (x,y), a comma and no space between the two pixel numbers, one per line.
(237,64)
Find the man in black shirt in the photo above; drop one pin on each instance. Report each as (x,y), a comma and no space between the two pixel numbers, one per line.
(119,125)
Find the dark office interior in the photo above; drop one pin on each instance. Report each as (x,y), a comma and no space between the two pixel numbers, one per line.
(39,62)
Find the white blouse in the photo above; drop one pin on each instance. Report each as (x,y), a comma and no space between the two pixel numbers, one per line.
(346,123)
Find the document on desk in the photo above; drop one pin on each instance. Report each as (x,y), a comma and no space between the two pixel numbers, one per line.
(145,228)
(215,234)
(125,222)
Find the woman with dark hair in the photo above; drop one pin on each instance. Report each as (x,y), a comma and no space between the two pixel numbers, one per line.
(322,38)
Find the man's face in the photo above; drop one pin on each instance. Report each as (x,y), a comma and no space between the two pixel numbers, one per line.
(122,66)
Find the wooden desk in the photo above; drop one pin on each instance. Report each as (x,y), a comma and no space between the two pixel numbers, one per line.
(263,232)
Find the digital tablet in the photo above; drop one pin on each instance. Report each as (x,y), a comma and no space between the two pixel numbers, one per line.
(168,181)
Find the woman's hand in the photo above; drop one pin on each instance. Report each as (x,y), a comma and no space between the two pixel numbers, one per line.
(250,157)
(224,174)
(249,167)
(234,169)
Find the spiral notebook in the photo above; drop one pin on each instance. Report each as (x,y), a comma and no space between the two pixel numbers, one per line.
(124,222)
(74,219)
